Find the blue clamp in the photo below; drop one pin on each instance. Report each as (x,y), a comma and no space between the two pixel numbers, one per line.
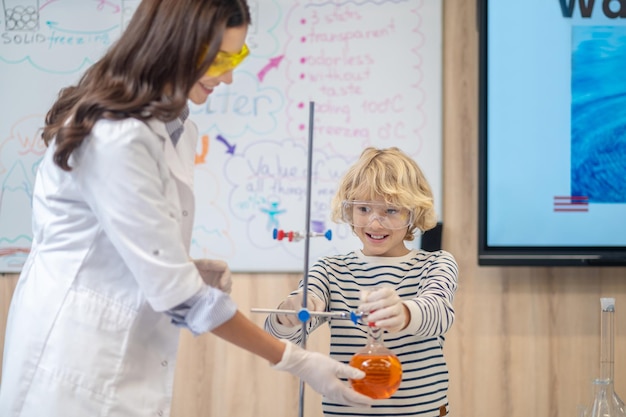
(304,315)
(355,317)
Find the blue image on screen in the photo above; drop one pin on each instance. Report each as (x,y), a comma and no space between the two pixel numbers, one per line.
(598,129)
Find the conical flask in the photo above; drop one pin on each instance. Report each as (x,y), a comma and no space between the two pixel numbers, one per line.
(383,370)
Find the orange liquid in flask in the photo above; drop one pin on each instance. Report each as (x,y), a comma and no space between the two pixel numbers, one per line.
(383,370)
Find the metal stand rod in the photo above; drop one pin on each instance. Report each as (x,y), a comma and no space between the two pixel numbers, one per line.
(307,217)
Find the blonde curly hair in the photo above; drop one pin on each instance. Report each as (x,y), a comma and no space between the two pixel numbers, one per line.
(392,175)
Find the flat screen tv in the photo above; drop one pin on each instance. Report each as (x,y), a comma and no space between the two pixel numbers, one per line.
(552,140)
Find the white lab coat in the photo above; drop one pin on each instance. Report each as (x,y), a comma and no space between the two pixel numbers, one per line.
(86,336)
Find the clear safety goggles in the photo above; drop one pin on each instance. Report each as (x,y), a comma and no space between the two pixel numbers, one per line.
(364,213)
(226,61)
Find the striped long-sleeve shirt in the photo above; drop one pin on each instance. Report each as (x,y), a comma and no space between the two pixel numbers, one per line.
(426,282)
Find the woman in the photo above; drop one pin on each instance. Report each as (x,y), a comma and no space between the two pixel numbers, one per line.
(93,324)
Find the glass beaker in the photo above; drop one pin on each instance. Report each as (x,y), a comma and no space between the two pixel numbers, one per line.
(383,370)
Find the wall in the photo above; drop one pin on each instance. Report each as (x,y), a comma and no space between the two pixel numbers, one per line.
(525,342)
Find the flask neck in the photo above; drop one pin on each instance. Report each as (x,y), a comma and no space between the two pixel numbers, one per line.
(374,335)
(606,344)
(602,386)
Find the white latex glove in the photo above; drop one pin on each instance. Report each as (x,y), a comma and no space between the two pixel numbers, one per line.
(215,273)
(385,309)
(294,302)
(322,373)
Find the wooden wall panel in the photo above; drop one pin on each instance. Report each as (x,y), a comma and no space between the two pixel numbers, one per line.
(525,341)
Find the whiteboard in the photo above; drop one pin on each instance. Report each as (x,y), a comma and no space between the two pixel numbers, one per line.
(371,69)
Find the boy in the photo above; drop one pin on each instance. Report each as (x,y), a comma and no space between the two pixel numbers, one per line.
(386,199)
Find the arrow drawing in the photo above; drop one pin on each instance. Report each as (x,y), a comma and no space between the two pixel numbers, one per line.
(273,63)
(229,148)
(201,158)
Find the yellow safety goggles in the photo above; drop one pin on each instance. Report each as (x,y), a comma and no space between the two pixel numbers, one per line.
(226,61)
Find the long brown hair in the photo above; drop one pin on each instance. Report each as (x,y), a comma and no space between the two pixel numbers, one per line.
(148,72)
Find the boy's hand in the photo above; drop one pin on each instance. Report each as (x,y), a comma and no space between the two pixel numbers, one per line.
(386,309)
(294,302)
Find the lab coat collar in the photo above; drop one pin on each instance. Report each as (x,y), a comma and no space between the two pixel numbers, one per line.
(176,165)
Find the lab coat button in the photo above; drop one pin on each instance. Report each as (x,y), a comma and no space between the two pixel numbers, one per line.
(164,363)
(185,213)
(156,252)
(160,413)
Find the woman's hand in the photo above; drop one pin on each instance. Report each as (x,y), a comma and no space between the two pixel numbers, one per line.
(215,273)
